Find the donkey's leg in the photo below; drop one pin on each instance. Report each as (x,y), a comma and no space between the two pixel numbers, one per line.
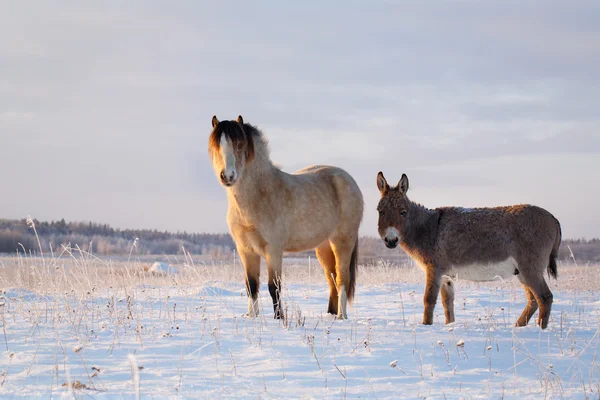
(327,260)
(447,292)
(274,260)
(543,297)
(532,277)
(342,249)
(432,289)
(530,308)
(252,266)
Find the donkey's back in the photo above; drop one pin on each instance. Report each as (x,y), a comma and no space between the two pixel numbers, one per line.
(505,239)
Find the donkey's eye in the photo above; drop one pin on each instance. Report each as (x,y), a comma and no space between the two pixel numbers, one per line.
(380,212)
(403,213)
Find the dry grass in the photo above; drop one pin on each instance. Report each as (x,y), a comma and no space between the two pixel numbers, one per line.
(82,272)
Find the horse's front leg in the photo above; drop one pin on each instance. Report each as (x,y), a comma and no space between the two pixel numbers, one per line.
(251,264)
(274,261)
(432,289)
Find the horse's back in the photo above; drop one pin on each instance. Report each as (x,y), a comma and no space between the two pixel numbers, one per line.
(345,186)
(329,174)
(344,194)
(321,171)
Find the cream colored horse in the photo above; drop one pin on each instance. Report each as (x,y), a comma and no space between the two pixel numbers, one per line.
(271,211)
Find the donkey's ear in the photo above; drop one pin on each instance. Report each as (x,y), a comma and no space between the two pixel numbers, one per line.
(240,120)
(215,121)
(382,184)
(403,184)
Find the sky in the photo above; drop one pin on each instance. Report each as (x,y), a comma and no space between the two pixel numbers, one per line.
(106,107)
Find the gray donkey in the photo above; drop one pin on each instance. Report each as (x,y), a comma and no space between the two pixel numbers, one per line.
(476,244)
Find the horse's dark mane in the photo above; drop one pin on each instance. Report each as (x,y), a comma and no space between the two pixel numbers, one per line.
(236,135)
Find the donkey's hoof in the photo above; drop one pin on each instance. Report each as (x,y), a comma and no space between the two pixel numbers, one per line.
(520,324)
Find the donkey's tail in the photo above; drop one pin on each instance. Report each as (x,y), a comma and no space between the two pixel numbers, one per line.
(353,271)
(552,270)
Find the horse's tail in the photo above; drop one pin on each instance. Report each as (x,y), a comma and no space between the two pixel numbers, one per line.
(353,271)
(552,270)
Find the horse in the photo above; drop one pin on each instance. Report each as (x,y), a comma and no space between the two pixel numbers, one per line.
(476,244)
(270,211)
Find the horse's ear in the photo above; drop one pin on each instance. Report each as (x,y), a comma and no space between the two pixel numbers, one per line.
(382,184)
(240,120)
(215,121)
(403,184)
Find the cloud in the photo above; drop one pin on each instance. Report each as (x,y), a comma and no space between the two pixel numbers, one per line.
(12,116)
(106,108)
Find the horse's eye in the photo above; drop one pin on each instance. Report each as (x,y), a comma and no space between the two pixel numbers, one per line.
(380,212)
(403,213)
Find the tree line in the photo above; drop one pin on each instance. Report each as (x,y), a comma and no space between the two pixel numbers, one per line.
(102,239)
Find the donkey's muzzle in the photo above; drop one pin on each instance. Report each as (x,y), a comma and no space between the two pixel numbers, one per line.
(391,243)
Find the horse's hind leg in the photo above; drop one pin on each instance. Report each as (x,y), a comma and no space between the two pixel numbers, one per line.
(342,249)
(327,260)
(274,261)
(251,264)
(530,308)
(447,291)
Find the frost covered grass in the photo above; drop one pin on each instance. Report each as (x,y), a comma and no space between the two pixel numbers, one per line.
(77,325)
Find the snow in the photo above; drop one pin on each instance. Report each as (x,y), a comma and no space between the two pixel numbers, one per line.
(162,268)
(187,337)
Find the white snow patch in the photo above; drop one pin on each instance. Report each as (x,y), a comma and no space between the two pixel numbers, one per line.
(190,340)
(163,269)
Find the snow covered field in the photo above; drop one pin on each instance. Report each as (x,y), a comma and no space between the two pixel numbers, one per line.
(83,327)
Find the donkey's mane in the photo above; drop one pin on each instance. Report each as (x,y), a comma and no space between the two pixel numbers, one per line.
(421,207)
(234,132)
(425,219)
(423,210)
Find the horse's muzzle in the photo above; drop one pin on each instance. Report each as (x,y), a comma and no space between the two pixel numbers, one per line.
(228,179)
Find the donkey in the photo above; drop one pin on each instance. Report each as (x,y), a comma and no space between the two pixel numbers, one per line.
(271,211)
(476,244)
